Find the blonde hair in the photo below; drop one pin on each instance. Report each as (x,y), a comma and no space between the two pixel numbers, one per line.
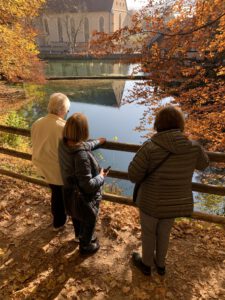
(76,128)
(168,118)
(58,104)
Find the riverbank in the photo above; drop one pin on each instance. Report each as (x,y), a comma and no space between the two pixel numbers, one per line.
(38,263)
(12,97)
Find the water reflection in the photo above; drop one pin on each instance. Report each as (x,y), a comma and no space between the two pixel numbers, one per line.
(64,68)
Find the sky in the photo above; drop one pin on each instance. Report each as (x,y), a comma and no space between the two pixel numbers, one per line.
(135,4)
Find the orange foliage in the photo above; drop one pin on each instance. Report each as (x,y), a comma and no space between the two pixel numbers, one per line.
(181,48)
(18,52)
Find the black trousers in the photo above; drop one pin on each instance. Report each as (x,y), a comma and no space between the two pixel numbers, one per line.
(84,228)
(57,205)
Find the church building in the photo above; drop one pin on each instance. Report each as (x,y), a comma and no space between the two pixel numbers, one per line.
(66,26)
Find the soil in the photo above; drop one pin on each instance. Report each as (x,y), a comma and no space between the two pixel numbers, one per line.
(38,263)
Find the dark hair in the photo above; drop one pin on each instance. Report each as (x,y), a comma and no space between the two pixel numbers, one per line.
(169,117)
(76,128)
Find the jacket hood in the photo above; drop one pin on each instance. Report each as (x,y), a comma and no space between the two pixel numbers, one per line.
(172,140)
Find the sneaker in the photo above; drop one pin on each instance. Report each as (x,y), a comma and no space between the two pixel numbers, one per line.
(137,261)
(77,240)
(160,270)
(90,249)
(94,239)
(60,228)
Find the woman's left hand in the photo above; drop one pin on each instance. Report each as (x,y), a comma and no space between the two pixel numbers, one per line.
(103,173)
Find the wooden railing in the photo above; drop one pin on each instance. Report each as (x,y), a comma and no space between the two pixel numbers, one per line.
(198,187)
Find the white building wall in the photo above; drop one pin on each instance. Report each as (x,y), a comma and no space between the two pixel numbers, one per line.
(49,27)
(93,18)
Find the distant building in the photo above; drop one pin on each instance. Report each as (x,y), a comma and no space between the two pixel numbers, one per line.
(66,26)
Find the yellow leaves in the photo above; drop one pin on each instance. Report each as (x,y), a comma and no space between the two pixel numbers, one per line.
(13,10)
(18,52)
(221,71)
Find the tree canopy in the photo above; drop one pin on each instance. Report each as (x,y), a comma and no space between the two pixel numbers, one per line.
(180,46)
(18,52)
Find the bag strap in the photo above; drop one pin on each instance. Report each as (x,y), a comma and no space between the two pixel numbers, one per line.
(159,164)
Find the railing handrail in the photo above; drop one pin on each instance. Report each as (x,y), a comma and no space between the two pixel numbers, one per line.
(116,198)
(197,187)
(110,145)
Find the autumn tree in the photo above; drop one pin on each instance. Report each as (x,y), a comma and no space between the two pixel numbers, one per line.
(180,46)
(18,52)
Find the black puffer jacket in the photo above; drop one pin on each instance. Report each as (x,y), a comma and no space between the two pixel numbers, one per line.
(79,167)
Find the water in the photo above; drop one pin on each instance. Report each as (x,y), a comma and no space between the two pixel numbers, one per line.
(102,101)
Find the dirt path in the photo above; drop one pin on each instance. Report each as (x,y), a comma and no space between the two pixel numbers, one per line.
(37,263)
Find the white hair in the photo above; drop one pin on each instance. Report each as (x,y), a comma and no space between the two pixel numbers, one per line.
(58,104)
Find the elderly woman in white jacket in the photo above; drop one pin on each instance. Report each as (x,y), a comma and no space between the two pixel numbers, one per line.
(166,193)
(46,133)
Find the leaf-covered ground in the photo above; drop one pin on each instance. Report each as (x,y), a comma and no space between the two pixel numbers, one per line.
(38,263)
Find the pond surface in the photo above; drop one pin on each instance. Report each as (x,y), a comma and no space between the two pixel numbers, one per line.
(102,101)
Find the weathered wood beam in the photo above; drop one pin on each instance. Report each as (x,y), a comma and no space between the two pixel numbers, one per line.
(15,130)
(103,77)
(115,198)
(15,153)
(109,145)
(197,187)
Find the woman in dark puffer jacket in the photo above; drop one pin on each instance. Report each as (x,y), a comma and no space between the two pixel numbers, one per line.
(166,193)
(83,180)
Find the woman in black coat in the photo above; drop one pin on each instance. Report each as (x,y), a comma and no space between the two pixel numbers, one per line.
(163,167)
(83,180)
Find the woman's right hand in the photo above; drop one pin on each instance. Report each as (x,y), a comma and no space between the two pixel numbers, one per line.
(102,140)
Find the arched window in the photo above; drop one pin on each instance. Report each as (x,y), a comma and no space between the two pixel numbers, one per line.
(72,26)
(101,24)
(46,26)
(120,21)
(86,30)
(60,30)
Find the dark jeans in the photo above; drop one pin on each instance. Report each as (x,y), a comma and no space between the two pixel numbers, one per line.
(76,226)
(57,205)
(84,229)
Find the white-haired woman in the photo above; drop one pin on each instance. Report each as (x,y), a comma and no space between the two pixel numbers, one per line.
(46,133)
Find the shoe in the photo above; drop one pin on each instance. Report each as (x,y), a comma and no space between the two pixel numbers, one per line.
(77,240)
(137,261)
(160,270)
(90,249)
(60,228)
(94,239)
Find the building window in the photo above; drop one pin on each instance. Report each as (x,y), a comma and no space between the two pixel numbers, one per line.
(86,30)
(101,24)
(60,30)
(120,21)
(72,25)
(46,26)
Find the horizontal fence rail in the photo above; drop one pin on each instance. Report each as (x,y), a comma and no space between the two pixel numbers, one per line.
(213,156)
(198,187)
(122,77)
(116,198)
